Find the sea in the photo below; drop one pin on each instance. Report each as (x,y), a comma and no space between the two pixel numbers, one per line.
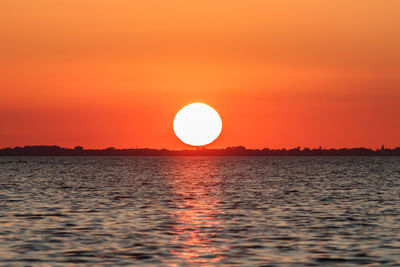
(199,211)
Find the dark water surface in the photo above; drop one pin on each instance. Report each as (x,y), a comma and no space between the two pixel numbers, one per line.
(200,211)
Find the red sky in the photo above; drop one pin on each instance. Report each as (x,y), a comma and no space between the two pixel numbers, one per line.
(280,73)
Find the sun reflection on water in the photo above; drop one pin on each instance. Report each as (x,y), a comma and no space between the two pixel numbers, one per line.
(197,215)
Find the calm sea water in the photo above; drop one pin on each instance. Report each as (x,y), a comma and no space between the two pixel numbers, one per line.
(200,211)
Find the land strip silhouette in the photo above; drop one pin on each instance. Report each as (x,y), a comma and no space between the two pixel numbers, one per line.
(79,151)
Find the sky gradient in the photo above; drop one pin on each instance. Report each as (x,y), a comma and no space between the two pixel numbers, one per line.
(280,73)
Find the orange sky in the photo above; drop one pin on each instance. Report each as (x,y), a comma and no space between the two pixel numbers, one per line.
(280,73)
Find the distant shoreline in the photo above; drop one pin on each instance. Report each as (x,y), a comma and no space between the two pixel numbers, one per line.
(238,151)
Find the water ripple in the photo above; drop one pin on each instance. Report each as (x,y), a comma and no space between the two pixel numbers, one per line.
(200,211)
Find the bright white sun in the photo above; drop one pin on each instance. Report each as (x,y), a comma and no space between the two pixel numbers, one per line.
(197,124)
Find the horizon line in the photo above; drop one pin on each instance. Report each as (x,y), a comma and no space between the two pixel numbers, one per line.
(194,148)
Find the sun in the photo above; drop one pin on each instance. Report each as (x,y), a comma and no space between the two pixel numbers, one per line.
(197,124)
